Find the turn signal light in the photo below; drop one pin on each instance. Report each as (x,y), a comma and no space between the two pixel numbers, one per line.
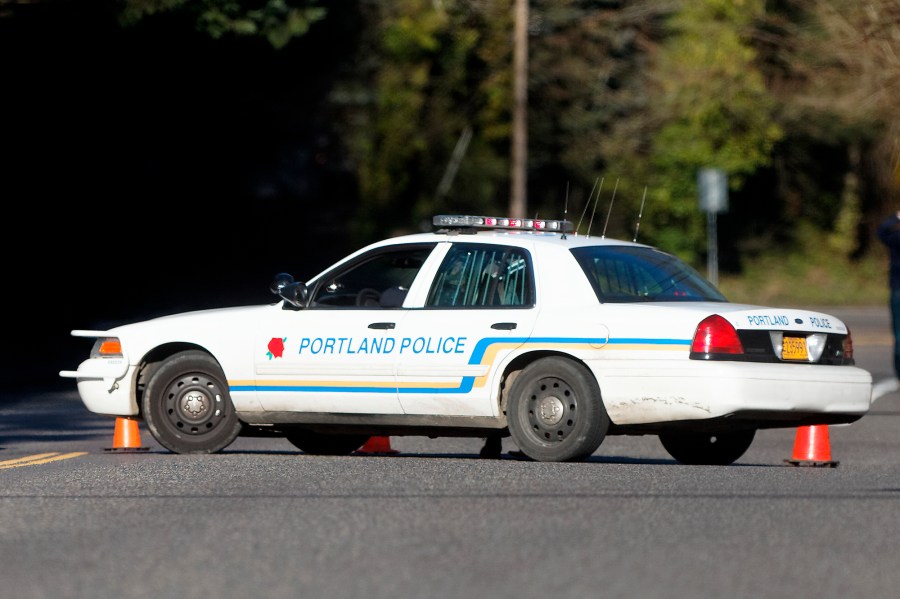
(108,347)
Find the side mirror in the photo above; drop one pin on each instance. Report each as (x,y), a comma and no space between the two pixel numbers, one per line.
(281,280)
(296,294)
(293,292)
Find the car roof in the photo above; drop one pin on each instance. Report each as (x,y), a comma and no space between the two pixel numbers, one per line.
(507,230)
(508,237)
(502,234)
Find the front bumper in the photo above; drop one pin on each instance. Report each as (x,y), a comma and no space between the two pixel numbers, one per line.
(106,386)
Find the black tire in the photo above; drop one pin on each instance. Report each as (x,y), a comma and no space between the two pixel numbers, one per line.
(707,449)
(555,412)
(323,444)
(187,407)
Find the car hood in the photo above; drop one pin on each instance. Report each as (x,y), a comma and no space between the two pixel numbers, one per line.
(217,317)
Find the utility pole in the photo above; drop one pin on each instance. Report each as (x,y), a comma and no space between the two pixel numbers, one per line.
(518,202)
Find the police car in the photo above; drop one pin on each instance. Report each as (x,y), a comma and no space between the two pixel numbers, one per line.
(486,326)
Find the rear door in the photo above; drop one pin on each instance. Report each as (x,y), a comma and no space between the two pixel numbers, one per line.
(479,308)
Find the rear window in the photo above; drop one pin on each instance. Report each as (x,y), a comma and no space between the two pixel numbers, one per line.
(483,276)
(642,274)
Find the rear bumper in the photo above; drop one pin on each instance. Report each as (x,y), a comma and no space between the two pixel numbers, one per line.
(769,395)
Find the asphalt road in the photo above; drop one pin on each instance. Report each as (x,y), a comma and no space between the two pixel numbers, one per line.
(434,520)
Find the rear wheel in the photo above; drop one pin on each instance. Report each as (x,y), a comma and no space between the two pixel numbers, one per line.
(324,444)
(707,449)
(187,407)
(555,411)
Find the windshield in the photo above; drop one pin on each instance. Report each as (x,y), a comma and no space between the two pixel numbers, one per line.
(642,274)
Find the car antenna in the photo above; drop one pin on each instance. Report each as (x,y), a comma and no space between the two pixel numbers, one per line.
(608,212)
(565,211)
(588,203)
(637,226)
(594,211)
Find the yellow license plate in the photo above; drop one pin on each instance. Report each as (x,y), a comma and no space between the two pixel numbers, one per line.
(794,348)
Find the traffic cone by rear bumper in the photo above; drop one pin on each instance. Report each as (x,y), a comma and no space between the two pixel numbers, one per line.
(127,437)
(812,447)
(377,446)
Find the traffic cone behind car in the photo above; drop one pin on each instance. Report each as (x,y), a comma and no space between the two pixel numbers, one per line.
(812,447)
(127,436)
(377,445)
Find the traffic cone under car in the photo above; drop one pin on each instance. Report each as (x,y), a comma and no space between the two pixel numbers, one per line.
(377,445)
(812,447)
(127,436)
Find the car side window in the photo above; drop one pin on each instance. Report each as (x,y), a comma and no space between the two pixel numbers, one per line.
(482,276)
(379,279)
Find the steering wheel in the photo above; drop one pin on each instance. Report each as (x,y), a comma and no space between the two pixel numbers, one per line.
(368,297)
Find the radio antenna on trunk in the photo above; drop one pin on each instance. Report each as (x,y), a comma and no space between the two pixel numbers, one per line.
(640,214)
(594,211)
(608,212)
(588,203)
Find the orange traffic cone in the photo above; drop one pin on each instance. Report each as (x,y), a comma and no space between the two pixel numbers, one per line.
(812,447)
(127,437)
(377,445)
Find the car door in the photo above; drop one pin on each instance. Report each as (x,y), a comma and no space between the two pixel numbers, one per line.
(479,308)
(338,355)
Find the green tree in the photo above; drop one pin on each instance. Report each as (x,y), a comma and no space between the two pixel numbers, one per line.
(278,21)
(427,73)
(715,111)
(585,85)
(842,70)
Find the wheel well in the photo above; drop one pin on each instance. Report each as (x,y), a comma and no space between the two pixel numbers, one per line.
(519,363)
(151,363)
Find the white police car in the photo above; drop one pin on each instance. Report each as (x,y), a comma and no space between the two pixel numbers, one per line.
(486,326)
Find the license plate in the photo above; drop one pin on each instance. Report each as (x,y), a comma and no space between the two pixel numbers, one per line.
(794,348)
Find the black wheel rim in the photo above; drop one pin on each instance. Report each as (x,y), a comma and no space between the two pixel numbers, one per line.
(194,404)
(552,410)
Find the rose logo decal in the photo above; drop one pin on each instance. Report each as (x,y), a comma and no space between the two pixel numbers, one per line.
(276,347)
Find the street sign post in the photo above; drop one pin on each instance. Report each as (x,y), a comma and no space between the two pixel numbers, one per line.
(712,184)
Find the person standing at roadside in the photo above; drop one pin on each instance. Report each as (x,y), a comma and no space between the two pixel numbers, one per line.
(889,234)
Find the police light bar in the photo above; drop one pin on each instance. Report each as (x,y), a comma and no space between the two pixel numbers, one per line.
(497,222)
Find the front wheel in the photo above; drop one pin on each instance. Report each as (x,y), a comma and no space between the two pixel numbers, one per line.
(555,412)
(707,449)
(187,407)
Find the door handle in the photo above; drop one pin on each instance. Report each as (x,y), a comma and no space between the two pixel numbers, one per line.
(382,325)
(504,326)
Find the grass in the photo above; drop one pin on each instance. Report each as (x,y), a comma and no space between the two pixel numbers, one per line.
(822,279)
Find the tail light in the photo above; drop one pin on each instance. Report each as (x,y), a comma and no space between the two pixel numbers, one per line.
(715,335)
(848,347)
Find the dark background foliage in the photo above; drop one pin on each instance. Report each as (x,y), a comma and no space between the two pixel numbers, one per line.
(154,169)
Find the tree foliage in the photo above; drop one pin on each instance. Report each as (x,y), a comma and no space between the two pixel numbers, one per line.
(631,98)
(714,110)
(427,73)
(848,59)
(794,99)
(588,105)
(278,21)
